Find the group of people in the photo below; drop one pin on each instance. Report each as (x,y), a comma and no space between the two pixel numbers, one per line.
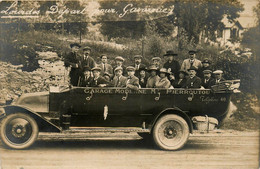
(192,73)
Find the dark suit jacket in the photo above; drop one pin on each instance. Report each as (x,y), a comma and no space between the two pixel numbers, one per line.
(85,82)
(174,66)
(195,82)
(137,70)
(207,84)
(179,83)
(132,83)
(142,82)
(72,60)
(121,83)
(98,81)
(87,62)
(214,81)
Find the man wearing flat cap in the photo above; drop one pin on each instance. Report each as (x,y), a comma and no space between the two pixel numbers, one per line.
(156,61)
(206,65)
(119,80)
(138,64)
(86,59)
(193,81)
(132,80)
(119,63)
(207,79)
(217,77)
(98,81)
(105,67)
(172,65)
(72,60)
(191,62)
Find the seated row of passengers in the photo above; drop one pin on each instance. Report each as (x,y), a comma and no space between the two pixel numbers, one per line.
(156,79)
(191,74)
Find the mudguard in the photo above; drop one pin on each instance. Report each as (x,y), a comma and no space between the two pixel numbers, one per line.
(43,124)
(176,111)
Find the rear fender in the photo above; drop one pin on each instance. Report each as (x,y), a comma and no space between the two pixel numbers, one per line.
(176,111)
(43,124)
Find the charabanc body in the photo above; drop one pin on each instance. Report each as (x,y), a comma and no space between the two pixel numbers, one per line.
(167,116)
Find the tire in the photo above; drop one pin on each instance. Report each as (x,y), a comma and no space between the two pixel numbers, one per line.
(18,131)
(171,132)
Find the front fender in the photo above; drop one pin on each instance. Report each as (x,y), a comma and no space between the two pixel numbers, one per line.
(176,111)
(43,124)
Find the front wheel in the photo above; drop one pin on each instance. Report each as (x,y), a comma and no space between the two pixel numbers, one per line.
(171,132)
(18,131)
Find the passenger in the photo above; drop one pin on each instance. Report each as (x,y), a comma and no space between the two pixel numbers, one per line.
(86,59)
(142,77)
(119,63)
(105,67)
(205,66)
(207,80)
(153,78)
(72,60)
(193,81)
(179,83)
(218,77)
(156,61)
(119,80)
(191,62)
(132,80)
(138,64)
(107,76)
(98,81)
(172,65)
(163,81)
(86,79)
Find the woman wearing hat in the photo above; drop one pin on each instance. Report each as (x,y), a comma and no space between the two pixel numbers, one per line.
(153,78)
(179,83)
(163,81)
(172,65)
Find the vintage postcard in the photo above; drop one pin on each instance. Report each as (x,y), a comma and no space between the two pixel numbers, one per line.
(129,84)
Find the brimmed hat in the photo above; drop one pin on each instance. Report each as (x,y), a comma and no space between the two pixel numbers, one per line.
(164,70)
(156,58)
(207,71)
(86,68)
(96,68)
(218,72)
(152,67)
(206,61)
(142,68)
(118,68)
(119,58)
(87,48)
(75,44)
(193,68)
(130,68)
(138,56)
(170,53)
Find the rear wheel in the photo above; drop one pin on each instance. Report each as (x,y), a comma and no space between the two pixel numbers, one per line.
(18,131)
(171,132)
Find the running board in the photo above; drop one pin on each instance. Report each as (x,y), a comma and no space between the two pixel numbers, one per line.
(105,129)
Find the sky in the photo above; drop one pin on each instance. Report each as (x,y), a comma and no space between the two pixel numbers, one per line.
(247,18)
